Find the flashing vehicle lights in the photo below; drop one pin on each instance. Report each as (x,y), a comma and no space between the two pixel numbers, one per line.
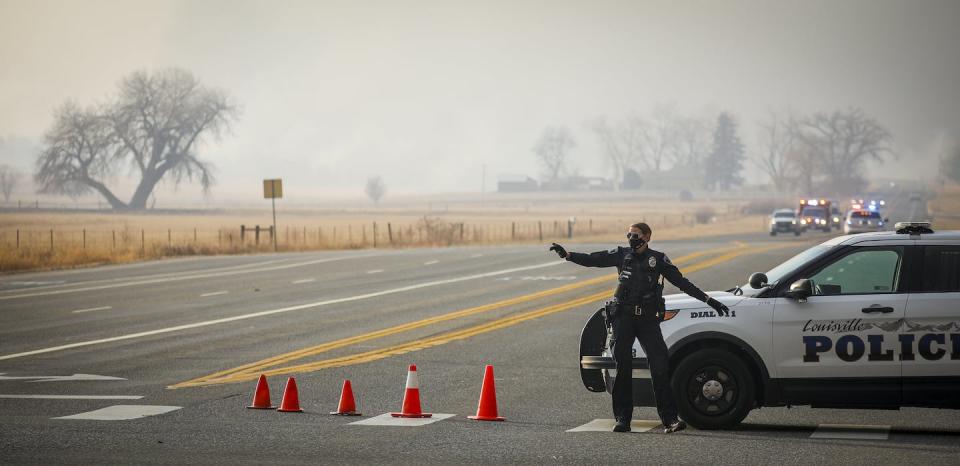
(811,202)
(882,202)
(803,221)
(823,202)
(857,206)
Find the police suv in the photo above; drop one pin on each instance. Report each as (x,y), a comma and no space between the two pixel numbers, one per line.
(863,321)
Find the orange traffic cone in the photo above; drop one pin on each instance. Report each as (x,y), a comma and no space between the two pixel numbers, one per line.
(347,406)
(487,410)
(411,397)
(291,400)
(261,397)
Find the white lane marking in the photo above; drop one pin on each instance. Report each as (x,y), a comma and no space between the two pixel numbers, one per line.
(61,378)
(542,278)
(121,413)
(305,280)
(278,311)
(48,283)
(101,308)
(63,283)
(851,432)
(387,420)
(213,293)
(73,397)
(181,278)
(606,425)
(430,262)
(375,271)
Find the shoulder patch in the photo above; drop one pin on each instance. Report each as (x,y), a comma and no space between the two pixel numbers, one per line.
(667,259)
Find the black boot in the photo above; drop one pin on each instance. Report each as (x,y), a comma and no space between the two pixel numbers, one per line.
(622,426)
(677,426)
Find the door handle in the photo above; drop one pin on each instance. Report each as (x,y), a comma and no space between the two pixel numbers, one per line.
(876,308)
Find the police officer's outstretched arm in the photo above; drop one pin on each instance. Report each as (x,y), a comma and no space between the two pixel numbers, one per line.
(673,275)
(609,258)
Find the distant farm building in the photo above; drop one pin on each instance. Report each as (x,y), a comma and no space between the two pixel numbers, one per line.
(516,184)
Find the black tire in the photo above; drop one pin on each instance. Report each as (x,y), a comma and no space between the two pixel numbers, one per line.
(773,233)
(796,232)
(710,366)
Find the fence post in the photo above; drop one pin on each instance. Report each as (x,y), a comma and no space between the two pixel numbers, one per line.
(304,236)
(169,240)
(288,234)
(114,239)
(569,229)
(590,230)
(18,238)
(143,246)
(194,235)
(256,235)
(461,232)
(390,232)
(540,229)
(51,240)
(243,229)
(374,235)
(84,239)
(513,231)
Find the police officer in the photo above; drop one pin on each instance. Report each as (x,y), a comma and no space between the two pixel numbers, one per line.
(638,313)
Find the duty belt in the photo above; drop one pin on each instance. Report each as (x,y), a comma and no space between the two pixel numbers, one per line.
(638,311)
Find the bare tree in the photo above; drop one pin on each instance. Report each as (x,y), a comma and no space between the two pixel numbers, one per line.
(658,137)
(552,149)
(155,126)
(692,144)
(840,142)
(781,157)
(79,154)
(8,181)
(375,188)
(621,144)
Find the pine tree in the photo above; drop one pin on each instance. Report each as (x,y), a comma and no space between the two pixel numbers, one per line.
(725,162)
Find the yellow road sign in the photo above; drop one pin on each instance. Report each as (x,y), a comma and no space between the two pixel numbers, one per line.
(273,189)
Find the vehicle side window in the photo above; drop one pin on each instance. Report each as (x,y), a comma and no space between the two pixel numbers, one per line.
(866,271)
(941,269)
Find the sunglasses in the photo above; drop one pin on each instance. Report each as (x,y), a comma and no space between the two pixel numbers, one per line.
(633,235)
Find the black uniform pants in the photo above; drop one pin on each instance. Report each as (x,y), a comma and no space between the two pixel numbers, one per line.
(626,327)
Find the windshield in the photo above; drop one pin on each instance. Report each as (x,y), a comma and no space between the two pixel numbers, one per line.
(777,273)
(783,214)
(813,212)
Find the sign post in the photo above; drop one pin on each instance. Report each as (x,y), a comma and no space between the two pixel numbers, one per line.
(273,189)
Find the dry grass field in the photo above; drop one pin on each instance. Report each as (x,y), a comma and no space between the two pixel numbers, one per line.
(945,207)
(38,239)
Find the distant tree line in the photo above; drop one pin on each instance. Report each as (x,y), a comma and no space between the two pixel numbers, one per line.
(819,152)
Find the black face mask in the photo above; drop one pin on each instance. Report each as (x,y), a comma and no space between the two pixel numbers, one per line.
(635,240)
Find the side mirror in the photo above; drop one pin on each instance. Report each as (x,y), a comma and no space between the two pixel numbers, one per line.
(801,290)
(757,280)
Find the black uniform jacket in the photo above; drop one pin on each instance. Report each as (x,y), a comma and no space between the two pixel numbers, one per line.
(639,274)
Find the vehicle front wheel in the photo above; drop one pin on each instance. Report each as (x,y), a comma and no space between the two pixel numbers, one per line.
(714,389)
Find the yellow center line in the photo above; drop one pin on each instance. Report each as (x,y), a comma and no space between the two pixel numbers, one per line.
(252,370)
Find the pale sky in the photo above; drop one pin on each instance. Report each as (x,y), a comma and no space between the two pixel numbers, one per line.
(425,93)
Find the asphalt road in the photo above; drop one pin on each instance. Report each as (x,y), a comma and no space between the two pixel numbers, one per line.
(193,334)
